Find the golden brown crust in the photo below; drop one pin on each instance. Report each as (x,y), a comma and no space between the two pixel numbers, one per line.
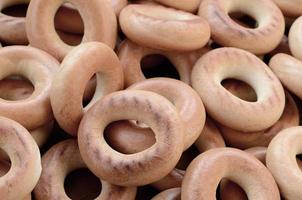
(41,32)
(146,107)
(164,28)
(58,162)
(260,40)
(87,59)
(229,110)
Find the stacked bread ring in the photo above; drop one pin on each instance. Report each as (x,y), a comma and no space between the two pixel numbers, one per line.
(150,99)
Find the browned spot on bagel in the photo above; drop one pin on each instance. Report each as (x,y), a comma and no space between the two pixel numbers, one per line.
(97,154)
(128,167)
(149,105)
(136,101)
(20,138)
(241,33)
(221,18)
(62,150)
(276,94)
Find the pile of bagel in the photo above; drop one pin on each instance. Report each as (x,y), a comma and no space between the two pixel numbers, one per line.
(218,117)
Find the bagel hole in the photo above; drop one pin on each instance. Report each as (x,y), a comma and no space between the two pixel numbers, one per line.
(89,91)
(15,87)
(68,16)
(156,65)
(5,162)
(118,137)
(81,184)
(240,89)
(231,189)
(18,10)
(243,19)
(187,157)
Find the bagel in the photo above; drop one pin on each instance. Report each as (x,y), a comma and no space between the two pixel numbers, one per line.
(289,71)
(146,107)
(210,137)
(295,39)
(42,34)
(131,54)
(243,140)
(223,63)
(39,68)
(238,166)
(24,154)
(286,146)
(260,40)
(58,162)
(164,28)
(87,59)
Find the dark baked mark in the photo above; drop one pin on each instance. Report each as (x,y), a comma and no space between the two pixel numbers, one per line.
(23,143)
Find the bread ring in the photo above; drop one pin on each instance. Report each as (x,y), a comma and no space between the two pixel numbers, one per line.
(131,55)
(230,190)
(39,68)
(12,29)
(13,90)
(184,98)
(295,39)
(238,166)
(41,32)
(86,59)
(146,107)
(164,28)
(229,110)
(58,162)
(4,168)
(24,154)
(189,6)
(68,19)
(289,70)
(260,40)
(170,194)
(242,140)
(290,8)
(210,137)
(286,146)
